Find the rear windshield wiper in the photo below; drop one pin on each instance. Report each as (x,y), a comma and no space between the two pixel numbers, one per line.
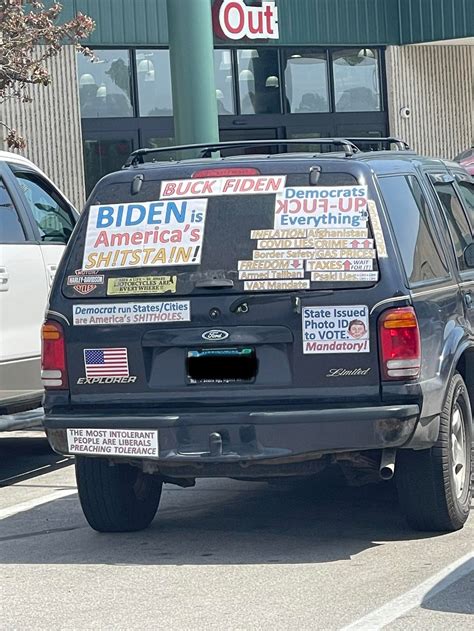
(241,305)
(214,283)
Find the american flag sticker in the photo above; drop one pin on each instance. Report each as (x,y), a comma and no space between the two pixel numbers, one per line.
(106,362)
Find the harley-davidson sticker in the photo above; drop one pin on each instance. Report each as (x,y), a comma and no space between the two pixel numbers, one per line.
(85,282)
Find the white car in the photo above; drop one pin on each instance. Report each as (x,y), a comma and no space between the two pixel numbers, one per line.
(36,221)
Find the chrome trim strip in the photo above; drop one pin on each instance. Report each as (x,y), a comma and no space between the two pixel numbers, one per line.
(58,315)
(389,300)
(426,292)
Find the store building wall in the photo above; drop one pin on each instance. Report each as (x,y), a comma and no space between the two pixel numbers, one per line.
(436,82)
(52,126)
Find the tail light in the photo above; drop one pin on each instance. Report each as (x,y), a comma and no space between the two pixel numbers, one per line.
(226,172)
(400,344)
(53,356)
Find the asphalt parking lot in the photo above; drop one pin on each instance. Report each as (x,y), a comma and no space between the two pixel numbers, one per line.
(225,554)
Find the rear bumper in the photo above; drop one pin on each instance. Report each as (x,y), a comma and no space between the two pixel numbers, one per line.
(254,436)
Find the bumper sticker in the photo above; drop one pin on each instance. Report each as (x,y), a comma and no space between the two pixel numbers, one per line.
(84,282)
(218,186)
(275,285)
(377,228)
(314,254)
(113,442)
(326,277)
(110,314)
(328,330)
(141,285)
(106,362)
(151,234)
(322,207)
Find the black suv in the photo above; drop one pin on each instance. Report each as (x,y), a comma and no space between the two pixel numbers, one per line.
(264,316)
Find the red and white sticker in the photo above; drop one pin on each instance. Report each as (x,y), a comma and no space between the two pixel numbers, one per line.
(314,254)
(269,264)
(311,233)
(340,329)
(320,244)
(279,274)
(276,285)
(212,187)
(322,207)
(342,265)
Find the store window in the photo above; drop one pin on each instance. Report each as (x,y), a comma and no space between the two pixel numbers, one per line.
(259,82)
(306,81)
(104,85)
(224,82)
(154,83)
(356,80)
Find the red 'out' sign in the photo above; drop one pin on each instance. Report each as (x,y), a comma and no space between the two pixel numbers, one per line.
(236,20)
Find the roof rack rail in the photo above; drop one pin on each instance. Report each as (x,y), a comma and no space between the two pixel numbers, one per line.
(207,149)
(400,144)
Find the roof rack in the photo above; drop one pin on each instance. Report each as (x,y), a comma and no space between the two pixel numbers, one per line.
(348,145)
(207,149)
(401,145)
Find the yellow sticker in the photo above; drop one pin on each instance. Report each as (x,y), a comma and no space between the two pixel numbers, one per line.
(139,285)
(377,229)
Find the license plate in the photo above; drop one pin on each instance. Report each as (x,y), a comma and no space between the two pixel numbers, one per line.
(128,443)
(221,365)
(220,352)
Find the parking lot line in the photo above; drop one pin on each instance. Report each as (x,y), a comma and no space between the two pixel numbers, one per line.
(396,608)
(10,511)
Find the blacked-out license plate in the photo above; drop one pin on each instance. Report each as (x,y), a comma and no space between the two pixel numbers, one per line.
(222,365)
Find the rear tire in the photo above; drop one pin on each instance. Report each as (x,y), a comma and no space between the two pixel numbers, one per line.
(434,484)
(118,498)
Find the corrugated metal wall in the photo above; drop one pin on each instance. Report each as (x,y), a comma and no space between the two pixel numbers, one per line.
(435,20)
(312,22)
(338,22)
(126,22)
(437,83)
(52,126)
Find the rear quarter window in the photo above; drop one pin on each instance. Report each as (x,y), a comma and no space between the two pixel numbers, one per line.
(409,214)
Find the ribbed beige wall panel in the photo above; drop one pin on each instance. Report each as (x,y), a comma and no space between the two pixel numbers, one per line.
(52,126)
(437,84)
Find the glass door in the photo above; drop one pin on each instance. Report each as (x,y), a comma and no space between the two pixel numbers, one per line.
(106,152)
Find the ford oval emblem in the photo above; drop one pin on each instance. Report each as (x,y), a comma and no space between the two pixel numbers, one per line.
(216,335)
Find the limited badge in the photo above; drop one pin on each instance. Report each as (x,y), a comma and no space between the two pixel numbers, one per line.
(85,282)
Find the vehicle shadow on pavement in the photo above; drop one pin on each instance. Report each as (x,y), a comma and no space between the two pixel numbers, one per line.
(25,455)
(219,522)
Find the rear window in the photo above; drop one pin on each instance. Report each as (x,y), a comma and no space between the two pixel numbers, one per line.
(419,246)
(234,233)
